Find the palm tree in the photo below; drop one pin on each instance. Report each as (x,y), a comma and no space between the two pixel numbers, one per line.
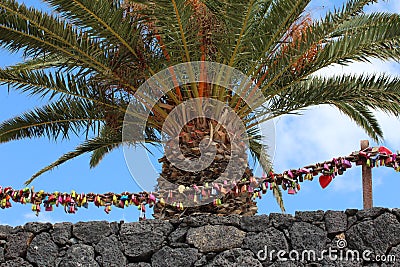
(90,57)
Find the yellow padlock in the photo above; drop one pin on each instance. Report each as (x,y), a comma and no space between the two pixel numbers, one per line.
(162,201)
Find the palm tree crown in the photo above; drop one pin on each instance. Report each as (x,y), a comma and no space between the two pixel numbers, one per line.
(90,57)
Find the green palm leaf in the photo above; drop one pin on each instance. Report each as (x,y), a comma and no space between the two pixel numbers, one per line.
(52,121)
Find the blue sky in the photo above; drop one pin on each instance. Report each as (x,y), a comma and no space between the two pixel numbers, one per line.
(320,134)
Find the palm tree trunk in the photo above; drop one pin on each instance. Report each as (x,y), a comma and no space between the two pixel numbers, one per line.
(235,200)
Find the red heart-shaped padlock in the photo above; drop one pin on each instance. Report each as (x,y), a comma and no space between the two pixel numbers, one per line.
(325,180)
(384,150)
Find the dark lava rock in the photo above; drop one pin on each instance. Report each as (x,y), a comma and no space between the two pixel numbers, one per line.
(310,216)
(394,211)
(292,264)
(79,255)
(178,236)
(377,235)
(17,262)
(281,221)
(195,221)
(42,251)
(61,233)
(91,232)
(393,257)
(109,249)
(4,231)
(235,258)
(233,220)
(305,236)
(351,212)
(169,257)
(17,245)
(37,227)
(351,220)
(371,213)
(139,264)
(114,226)
(257,223)
(335,221)
(262,243)
(212,238)
(142,239)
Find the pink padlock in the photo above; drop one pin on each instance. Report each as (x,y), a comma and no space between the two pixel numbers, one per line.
(346,163)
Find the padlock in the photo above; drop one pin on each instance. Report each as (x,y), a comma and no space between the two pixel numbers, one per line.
(326,167)
(162,201)
(384,151)
(271,185)
(107,209)
(244,188)
(49,208)
(284,187)
(324,180)
(181,189)
(264,187)
(152,198)
(217,187)
(346,163)
(135,200)
(213,191)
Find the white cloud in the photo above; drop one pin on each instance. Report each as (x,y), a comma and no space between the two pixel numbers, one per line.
(322,132)
(43,217)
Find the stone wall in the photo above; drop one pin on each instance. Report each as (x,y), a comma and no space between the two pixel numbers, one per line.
(208,241)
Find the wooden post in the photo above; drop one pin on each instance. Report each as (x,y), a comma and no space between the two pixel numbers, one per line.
(366,180)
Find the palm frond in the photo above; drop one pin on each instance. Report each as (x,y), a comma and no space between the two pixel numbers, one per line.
(86,147)
(99,153)
(352,94)
(363,117)
(54,120)
(259,152)
(39,63)
(102,19)
(38,33)
(51,85)
(278,196)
